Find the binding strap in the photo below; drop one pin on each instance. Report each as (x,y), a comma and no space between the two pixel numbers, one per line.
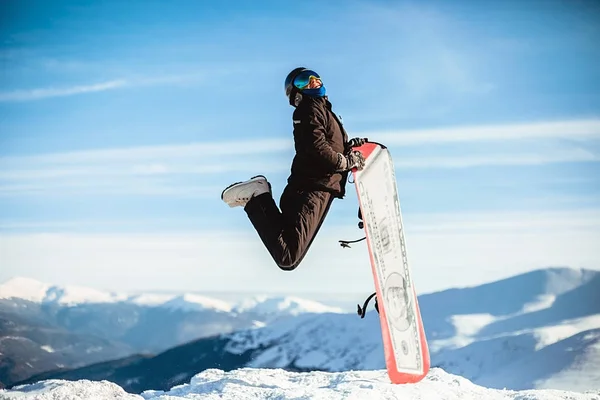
(346,243)
(363,310)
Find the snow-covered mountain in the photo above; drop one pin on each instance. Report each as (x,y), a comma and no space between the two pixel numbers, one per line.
(266,306)
(536,330)
(278,384)
(571,363)
(546,320)
(270,307)
(327,342)
(39,292)
(553,311)
(172,319)
(44,327)
(526,341)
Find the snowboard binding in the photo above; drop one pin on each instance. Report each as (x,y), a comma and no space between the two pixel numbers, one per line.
(363,310)
(361,225)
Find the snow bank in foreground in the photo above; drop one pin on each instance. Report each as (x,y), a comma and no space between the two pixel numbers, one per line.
(58,390)
(278,384)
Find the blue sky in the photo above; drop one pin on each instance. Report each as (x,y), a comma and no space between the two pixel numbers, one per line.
(121,122)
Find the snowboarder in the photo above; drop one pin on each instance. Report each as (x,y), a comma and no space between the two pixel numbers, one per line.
(323,159)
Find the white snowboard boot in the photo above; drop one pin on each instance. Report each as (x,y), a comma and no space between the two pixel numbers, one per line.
(239,193)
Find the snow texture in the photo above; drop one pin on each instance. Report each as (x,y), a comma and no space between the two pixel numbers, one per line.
(547,347)
(331,342)
(249,383)
(545,335)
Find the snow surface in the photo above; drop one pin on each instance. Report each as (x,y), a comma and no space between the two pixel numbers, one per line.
(341,342)
(331,342)
(551,334)
(570,364)
(47,348)
(256,384)
(538,337)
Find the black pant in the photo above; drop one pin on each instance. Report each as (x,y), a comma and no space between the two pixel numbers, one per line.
(288,233)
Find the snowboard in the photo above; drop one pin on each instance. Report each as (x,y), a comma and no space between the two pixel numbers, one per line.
(404,341)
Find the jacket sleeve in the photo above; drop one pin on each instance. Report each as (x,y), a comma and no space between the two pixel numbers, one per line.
(309,134)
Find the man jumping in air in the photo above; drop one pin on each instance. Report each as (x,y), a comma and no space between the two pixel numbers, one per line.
(323,159)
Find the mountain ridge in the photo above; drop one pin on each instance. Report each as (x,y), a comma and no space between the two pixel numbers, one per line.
(459,342)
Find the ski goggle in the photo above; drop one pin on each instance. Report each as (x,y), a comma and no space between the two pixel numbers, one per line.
(304,78)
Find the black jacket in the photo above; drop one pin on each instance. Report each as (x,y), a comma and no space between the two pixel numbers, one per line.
(318,138)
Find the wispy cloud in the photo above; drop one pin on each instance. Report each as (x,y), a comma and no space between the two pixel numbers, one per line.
(145,169)
(108,187)
(563,156)
(182,165)
(572,130)
(469,248)
(153,153)
(530,221)
(189,181)
(49,92)
(36,94)
(515,221)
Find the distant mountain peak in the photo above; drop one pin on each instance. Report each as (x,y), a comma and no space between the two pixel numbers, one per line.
(560,280)
(40,292)
(291,305)
(23,288)
(149,299)
(264,305)
(73,295)
(194,302)
(543,324)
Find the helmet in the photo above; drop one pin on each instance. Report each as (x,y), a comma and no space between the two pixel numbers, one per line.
(289,80)
(296,84)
